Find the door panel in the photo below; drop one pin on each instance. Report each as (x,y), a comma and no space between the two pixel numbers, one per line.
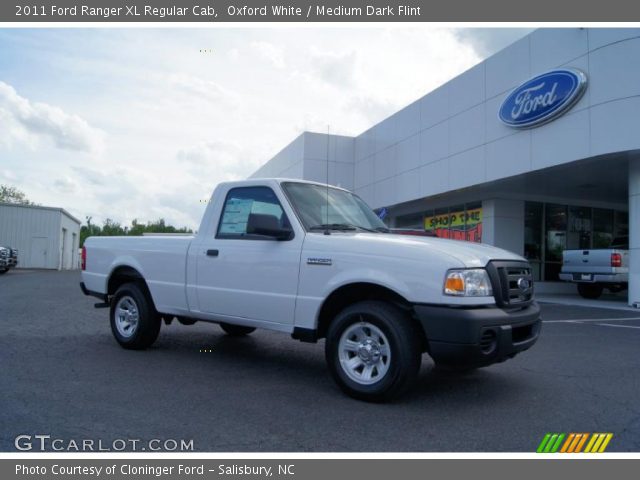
(240,274)
(249,278)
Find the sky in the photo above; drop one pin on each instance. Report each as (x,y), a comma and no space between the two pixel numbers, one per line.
(143,123)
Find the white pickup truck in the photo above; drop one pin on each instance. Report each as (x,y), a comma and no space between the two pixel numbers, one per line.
(597,269)
(316,262)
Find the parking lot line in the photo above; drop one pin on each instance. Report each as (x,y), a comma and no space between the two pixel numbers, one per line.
(618,326)
(583,320)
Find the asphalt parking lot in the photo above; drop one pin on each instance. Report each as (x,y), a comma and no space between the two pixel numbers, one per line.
(62,374)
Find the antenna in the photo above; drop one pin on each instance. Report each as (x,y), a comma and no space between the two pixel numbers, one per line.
(327,230)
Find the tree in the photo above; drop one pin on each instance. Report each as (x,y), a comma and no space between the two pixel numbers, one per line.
(89,230)
(137,228)
(111,228)
(9,194)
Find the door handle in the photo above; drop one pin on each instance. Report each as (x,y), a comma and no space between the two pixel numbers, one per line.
(212,253)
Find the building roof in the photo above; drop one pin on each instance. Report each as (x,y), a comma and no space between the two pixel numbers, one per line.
(40,207)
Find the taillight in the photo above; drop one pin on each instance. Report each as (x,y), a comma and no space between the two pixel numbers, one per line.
(83,263)
(616,260)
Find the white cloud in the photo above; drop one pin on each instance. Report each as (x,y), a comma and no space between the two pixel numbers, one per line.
(487,41)
(227,159)
(92,177)
(66,184)
(338,69)
(7,175)
(202,88)
(270,52)
(370,107)
(234,54)
(24,120)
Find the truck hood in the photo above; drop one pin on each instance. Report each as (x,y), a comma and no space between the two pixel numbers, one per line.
(468,254)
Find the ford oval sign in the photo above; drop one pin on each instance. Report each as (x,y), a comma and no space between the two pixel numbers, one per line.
(543,98)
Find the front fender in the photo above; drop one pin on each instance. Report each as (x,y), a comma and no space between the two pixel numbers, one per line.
(366,275)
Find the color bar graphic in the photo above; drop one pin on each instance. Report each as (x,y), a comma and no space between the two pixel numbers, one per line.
(574,442)
(598,442)
(550,443)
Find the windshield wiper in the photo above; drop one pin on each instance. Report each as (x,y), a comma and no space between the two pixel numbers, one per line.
(367,229)
(341,227)
(333,226)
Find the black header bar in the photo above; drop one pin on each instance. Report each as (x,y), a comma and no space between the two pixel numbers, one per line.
(317,11)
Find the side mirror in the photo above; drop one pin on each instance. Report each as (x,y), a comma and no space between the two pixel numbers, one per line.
(267,225)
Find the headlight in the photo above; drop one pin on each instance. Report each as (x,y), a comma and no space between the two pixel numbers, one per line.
(468,283)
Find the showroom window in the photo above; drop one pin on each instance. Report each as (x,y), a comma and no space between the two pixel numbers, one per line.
(621,224)
(555,239)
(533,213)
(602,227)
(415,220)
(460,222)
(552,228)
(579,228)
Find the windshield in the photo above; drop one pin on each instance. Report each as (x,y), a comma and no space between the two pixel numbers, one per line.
(346,210)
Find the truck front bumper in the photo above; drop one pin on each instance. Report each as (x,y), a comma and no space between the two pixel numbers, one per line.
(478,336)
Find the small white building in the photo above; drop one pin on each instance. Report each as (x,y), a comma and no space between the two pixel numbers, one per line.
(45,237)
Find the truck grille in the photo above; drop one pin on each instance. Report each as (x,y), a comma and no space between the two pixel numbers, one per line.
(512,283)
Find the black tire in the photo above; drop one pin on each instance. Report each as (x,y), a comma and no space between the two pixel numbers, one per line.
(590,290)
(3,271)
(403,342)
(236,330)
(134,298)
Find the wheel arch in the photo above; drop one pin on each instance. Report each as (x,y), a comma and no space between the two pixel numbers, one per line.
(127,274)
(351,293)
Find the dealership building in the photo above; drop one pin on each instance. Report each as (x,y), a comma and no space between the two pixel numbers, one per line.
(535,150)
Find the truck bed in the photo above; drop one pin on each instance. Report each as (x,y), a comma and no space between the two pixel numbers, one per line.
(161,260)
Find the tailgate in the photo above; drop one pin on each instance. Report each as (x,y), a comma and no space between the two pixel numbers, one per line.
(587,261)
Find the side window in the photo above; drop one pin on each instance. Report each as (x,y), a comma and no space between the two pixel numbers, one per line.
(240,203)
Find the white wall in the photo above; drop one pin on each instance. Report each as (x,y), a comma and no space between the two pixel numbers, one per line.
(307,157)
(334,150)
(288,163)
(503,224)
(70,253)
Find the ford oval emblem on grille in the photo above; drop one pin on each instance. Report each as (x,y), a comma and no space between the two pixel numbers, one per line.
(524,284)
